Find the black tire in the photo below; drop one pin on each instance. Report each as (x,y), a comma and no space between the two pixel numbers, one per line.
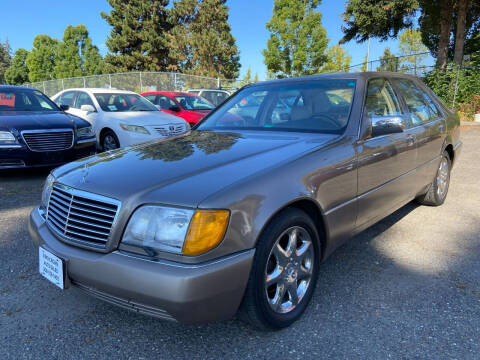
(437,193)
(109,141)
(256,308)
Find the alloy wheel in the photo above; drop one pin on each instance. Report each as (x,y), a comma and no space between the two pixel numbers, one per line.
(289,269)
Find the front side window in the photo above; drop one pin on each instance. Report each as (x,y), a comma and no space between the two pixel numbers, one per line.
(67,98)
(25,100)
(83,99)
(381,99)
(165,102)
(302,107)
(111,102)
(150,98)
(194,103)
(419,109)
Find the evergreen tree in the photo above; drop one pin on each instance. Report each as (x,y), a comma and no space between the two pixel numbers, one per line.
(137,40)
(256,79)
(297,40)
(364,66)
(5,59)
(388,62)
(17,73)
(247,79)
(338,60)
(76,55)
(201,41)
(41,60)
(438,20)
(68,61)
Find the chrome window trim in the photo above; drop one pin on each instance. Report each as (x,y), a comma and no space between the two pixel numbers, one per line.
(47,131)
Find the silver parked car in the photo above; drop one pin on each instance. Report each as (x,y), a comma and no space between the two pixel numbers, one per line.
(238,214)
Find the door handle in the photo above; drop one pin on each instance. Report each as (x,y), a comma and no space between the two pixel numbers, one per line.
(410,139)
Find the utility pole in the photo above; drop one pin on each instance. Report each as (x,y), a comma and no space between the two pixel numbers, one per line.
(368,53)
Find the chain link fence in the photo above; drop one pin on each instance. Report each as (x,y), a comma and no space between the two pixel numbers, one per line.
(136,81)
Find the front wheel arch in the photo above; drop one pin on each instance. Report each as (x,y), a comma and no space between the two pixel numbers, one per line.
(314,211)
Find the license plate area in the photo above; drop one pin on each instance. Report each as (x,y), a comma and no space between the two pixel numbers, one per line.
(51,267)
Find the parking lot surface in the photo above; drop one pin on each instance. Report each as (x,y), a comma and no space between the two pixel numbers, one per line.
(408,287)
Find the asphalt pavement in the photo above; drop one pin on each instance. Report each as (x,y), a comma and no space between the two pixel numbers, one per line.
(408,287)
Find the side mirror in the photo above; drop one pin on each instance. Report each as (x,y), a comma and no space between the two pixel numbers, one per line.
(88,108)
(158,107)
(64,107)
(384,125)
(174,108)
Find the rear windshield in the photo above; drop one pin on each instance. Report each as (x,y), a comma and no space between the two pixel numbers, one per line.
(25,100)
(315,106)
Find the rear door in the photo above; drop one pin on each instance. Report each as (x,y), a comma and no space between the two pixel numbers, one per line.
(385,162)
(429,123)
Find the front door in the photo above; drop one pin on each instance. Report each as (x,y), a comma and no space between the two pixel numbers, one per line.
(385,162)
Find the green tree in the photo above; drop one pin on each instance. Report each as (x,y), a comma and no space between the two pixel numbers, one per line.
(256,79)
(5,59)
(364,66)
(386,18)
(463,26)
(41,60)
(137,40)
(247,78)
(410,42)
(388,62)
(338,59)
(201,41)
(297,40)
(77,55)
(17,73)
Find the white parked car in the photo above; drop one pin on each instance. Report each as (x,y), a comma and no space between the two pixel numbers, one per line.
(120,118)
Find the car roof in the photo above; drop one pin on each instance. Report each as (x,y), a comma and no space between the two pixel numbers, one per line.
(205,89)
(101,90)
(168,93)
(12,87)
(360,75)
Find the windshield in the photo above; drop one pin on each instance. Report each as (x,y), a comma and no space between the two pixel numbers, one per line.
(314,106)
(25,100)
(194,103)
(111,102)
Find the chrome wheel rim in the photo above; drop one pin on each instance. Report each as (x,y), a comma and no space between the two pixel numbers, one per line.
(109,143)
(289,269)
(442,178)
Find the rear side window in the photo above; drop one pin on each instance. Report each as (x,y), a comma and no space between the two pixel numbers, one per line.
(150,98)
(381,99)
(421,107)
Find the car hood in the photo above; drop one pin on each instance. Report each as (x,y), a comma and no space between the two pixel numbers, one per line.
(185,170)
(29,120)
(144,118)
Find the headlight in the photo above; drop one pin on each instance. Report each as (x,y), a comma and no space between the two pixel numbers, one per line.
(180,231)
(85,132)
(47,190)
(135,128)
(7,138)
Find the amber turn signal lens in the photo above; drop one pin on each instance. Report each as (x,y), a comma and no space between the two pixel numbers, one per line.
(206,231)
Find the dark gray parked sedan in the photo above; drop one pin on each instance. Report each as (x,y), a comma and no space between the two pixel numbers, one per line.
(239,213)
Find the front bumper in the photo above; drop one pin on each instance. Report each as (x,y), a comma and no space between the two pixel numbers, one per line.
(22,157)
(184,292)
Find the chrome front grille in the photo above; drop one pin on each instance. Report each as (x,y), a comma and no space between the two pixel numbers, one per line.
(81,217)
(51,140)
(170,130)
